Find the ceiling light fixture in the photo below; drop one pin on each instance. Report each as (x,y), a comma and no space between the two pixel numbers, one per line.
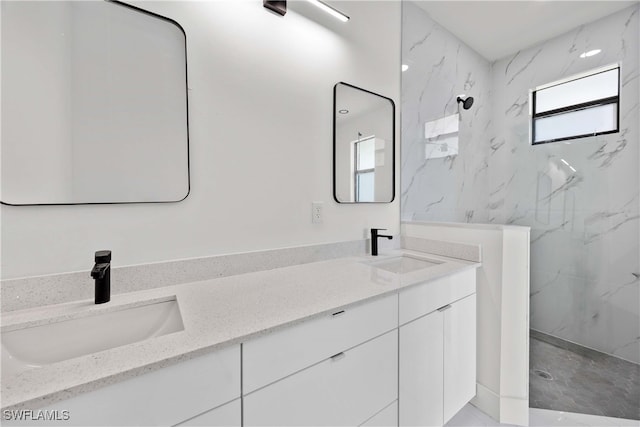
(590,53)
(405,67)
(330,10)
(276,6)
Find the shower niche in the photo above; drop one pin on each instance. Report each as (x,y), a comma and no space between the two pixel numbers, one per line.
(363,146)
(94,104)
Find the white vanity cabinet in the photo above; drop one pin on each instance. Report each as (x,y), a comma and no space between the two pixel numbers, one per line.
(272,357)
(421,381)
(437,363)
(459,355)
(227,415)
(338,370)
(344,390)
(167,396)
(408,357)
(385,418)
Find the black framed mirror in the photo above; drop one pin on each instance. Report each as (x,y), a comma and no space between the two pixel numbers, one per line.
(363,146)
(94,105)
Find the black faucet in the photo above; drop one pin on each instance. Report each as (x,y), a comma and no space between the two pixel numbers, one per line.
(101,272)
(374,239)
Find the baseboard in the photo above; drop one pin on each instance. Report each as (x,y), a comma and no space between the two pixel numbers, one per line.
(506,410)
(514,410)
(487,401)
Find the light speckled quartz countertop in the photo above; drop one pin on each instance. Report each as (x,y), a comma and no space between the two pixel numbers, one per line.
(216,313)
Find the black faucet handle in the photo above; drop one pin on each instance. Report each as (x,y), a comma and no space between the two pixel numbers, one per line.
(103,257)
(375,234)
(99,270)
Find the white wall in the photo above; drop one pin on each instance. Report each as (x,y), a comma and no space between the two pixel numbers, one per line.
(260,104)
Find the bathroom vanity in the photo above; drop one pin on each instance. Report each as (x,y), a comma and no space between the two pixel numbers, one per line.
(387,340)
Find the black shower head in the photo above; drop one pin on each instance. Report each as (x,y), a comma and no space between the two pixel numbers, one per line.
(467,101)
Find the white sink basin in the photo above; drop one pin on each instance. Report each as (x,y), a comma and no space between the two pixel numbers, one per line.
(34,346)
(404,264)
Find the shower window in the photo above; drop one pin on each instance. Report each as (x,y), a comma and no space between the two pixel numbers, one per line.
(578,107)
(364,169)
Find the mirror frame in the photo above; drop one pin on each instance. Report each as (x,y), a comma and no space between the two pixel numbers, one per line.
(186,83)
(393,145)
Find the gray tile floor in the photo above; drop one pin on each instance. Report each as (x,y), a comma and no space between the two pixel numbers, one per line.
(581,380)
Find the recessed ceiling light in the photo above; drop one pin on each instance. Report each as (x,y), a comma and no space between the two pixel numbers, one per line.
(590,53)
(405,67)
(343,111)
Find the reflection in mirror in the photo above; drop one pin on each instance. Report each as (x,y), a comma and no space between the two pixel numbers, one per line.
(94,104)
(363,146)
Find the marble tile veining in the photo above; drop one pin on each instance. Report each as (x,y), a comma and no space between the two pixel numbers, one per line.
(580,197)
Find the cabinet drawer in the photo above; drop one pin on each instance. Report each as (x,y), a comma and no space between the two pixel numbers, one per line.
(422,299)
(269,358)
(163,397)
(345,390)
(388,417)
(228,415)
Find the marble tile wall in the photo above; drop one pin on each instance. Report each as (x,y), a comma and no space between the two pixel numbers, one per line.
(585,251)
(441,68)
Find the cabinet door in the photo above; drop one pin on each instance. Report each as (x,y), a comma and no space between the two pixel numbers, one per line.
(421,373)
(344,390)
(228,415)
(459,355)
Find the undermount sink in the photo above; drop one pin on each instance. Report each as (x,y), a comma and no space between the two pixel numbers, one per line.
(404,264)
(35,346)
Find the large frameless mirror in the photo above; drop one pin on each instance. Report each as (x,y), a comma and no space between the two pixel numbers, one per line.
(363,146)
(94,104)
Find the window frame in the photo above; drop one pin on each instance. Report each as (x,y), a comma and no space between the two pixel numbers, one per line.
(357,172)
(573,108)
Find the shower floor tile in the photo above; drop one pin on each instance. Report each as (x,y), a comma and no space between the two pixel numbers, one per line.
(567,377)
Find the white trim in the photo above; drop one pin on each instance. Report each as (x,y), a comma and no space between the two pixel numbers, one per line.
(487,401)
(471,225)
(505,410)
(514,410)
(578,76)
